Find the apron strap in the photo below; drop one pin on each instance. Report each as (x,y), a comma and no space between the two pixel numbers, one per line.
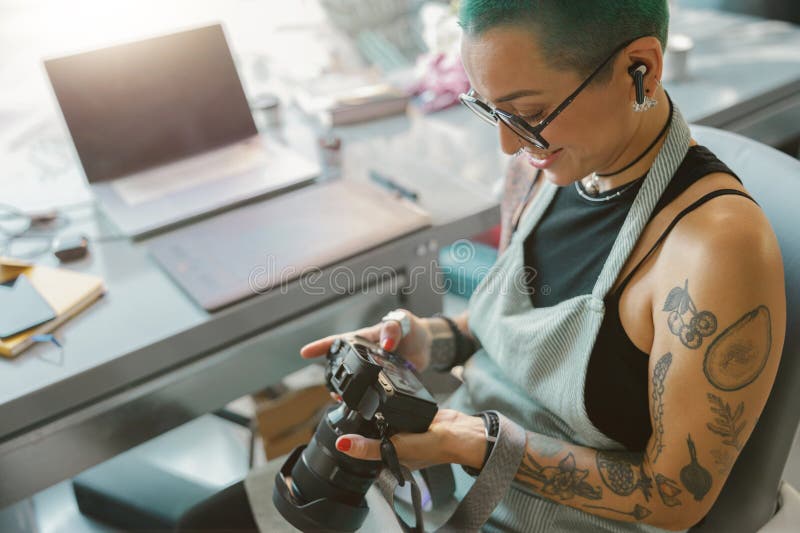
(667,161)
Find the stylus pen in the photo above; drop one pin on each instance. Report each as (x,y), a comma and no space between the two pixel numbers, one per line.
(389,183)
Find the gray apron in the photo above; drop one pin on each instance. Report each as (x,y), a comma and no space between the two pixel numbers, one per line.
(532,367)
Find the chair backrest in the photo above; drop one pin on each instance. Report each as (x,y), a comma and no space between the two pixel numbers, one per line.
(749,498)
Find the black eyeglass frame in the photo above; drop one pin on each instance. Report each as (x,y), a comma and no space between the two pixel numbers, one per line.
(517,124)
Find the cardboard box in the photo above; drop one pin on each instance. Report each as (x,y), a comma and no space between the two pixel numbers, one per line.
(290,419)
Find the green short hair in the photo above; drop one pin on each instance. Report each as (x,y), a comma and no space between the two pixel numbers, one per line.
(574,34)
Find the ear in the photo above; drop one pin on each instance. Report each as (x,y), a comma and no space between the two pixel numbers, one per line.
(645,51)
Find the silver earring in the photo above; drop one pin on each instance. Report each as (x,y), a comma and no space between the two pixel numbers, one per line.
(648,104)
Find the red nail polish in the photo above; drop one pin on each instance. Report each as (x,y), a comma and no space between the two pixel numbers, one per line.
(388,344)
(343,445)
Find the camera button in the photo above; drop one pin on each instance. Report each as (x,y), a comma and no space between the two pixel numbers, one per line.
(387,386)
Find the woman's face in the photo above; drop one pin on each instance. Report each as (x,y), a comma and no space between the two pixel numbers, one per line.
(507,70)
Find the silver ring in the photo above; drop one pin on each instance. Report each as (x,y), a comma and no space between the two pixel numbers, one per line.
(402,318)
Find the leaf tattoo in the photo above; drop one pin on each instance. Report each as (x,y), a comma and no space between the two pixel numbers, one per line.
(727,423)
(659,375)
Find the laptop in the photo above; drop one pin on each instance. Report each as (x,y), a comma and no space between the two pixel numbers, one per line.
(264,246)
(164,132)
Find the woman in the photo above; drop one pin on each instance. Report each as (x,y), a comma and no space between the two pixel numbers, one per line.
(639,356)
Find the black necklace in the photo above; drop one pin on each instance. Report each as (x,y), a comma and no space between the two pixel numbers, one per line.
(646,151)
(593,187)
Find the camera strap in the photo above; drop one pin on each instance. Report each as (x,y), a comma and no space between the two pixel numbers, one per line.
(388,451)
(387,479)
(489,488)
(398,475)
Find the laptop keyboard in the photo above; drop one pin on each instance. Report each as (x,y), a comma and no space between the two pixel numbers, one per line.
(221,163)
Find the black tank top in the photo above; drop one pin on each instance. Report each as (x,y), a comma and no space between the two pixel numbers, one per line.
(566,252)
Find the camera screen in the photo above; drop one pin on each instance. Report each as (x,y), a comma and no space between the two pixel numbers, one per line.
(399,375)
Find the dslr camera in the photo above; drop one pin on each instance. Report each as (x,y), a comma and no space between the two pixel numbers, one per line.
(320,488)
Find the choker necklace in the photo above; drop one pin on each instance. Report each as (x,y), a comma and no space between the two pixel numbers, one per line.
(594,185)
(601,199)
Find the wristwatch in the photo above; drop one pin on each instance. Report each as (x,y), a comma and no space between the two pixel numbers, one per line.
(491,427)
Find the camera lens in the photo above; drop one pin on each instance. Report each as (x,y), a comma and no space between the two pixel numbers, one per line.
(327,487)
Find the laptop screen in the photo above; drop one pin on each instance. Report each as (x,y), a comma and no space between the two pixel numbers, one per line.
(142,104)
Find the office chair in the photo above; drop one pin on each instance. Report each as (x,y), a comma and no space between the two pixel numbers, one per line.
(755,491)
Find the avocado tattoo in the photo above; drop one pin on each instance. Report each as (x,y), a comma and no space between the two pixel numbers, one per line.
(738,355)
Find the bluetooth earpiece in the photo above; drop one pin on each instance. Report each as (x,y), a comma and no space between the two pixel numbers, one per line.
(638,71)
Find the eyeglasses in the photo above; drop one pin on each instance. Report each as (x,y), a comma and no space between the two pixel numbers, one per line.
(528,132)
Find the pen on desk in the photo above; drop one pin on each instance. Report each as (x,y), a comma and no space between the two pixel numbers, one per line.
(389,183)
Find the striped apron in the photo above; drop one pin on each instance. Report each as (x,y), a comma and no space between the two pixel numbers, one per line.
(532,367)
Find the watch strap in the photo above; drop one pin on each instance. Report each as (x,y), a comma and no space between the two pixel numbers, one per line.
(491,427)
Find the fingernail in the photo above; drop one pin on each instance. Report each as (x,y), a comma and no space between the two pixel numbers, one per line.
(388,344)
(343,445)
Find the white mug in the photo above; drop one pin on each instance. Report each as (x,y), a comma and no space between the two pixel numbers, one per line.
(676,58)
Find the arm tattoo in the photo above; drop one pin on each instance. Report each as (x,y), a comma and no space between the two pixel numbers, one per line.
(564,481)
(623,473)
(685,321)
(659,374)
(738,355)
(727,424)
(724,460)
(694,477)
(668,490)
(638,512)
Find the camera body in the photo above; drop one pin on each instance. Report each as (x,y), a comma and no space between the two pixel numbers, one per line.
(370,379)
(322,489)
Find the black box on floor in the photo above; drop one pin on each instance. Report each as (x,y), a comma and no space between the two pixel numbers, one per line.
(130,493)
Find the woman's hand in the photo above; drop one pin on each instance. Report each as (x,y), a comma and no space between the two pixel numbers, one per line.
(453,437)
(415,347)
